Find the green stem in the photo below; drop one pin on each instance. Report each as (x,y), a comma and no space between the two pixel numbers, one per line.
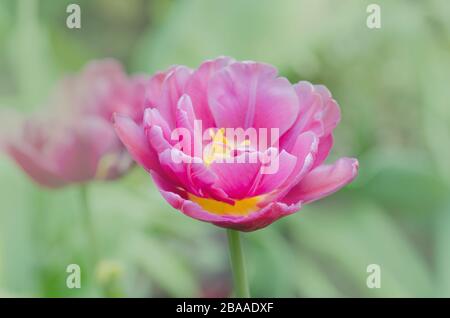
(238,265)
(88,224)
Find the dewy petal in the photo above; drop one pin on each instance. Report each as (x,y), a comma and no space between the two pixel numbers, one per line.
(249,94)
(323,181)
(197,88)
(34,164)
(133,137)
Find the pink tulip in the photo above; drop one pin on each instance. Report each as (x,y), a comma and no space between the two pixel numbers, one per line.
(74,141)
(224,93)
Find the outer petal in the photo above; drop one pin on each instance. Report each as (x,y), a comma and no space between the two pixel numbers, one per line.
(252,222)
(248,94)
(134,139)
(319,113)
(330,114)
(77,152)
(323,181)
(152,117)
(310,104)
(324,148)
(260,219)
(154,88)
(33,163)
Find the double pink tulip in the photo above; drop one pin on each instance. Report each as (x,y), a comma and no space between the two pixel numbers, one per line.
(224,93)
(74,141)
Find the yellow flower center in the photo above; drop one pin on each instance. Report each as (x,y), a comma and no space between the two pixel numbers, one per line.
(220,147)
(240,208)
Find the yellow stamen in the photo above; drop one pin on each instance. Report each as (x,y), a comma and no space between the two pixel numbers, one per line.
(217,148)
(240,208)
(220,147)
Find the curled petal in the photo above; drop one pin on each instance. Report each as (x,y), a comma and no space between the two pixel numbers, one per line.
(274,174)
(134,139)
(323,181)
(324,148)
(319,113)
(185,114)
(172,89)
(152,117)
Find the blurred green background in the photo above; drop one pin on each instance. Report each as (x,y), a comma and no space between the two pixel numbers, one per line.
(391,83)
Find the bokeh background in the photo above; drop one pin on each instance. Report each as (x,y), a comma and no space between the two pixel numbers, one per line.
(391,83)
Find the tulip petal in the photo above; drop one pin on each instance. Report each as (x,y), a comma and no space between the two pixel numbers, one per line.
(319,113)
(252,222)
(177,199)
(249,94)
(260,219)
(35,166)
(323,181)
(152,117)
(324,148)
(172,89)
(197,87)
(185,114)
(281,168)
(187,174)
(154,88)
(304,150)
(77,153)
(133,137)
(237,178)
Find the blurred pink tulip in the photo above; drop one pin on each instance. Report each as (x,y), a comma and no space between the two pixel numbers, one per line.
(73,139)
(224,93)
